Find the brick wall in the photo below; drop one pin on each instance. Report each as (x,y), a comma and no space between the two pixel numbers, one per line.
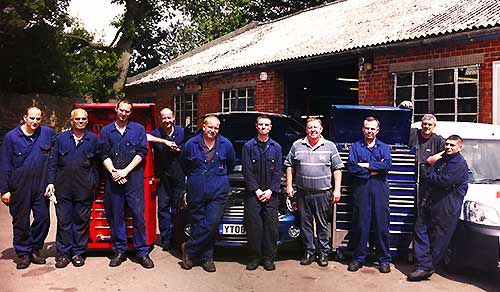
(376,87)
(269,94)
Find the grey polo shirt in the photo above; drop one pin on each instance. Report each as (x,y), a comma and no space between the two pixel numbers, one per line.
(314,165)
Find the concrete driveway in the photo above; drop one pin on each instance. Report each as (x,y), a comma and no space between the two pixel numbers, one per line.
(230,276)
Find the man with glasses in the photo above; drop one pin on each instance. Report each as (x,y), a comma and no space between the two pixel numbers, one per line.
(122,148)
(73,177)
(25,155)
(446,179)
(207,159)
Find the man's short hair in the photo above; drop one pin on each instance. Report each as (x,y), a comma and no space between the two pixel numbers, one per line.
(311,119)
(455,138)
(125,101)
(73,112)
(33,107)
(371,119)
(263,117)
(205,120)
(429,117)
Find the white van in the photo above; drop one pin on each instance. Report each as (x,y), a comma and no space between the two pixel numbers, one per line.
(476,243)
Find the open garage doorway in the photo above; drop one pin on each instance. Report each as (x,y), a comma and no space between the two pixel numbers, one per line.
(312,91)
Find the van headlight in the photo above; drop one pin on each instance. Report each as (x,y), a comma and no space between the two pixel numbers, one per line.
(479,213)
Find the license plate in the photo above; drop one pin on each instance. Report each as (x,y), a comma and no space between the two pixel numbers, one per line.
(232,229)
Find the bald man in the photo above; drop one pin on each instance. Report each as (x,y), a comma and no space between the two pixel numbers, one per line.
(73,177)
(24,162)
(207,159)
(168,140)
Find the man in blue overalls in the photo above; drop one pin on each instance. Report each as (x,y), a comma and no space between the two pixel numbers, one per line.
(24,163)
(261,160)
(368,163)
(123,148)
(168,140)
(73,176)
(446,182)
(207,159)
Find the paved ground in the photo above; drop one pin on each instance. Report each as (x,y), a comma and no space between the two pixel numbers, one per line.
(230,276)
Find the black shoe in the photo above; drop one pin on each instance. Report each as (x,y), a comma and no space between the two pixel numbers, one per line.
(187,263)
(146,262)
(62,262)
(354,266)
(323,260)
(208,266)
(253,264)
(419,275)
(117,259)
(37,259)
(78,261)
(166,246)
(24,262)
(268,265)
(384,268)
(307,259)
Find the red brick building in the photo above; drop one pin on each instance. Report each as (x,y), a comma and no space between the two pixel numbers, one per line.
(444,55)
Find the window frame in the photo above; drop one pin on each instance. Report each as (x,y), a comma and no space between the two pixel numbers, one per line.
(431,94)
(186,106)
(232,95)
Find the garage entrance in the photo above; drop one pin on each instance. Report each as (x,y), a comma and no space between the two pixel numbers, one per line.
(311,91)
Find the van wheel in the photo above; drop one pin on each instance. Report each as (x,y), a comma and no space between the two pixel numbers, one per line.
(451,262)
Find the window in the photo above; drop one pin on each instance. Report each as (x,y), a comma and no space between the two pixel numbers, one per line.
(186,110)
(450,94)
(241,99)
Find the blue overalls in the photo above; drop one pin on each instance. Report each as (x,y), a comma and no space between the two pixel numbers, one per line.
(23,173)
(73,171)
(122,149)
(172,180)
(446,183)
(207,188)
(262,169)
(370,199)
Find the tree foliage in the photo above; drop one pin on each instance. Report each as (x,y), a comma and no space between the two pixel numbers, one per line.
(43,50)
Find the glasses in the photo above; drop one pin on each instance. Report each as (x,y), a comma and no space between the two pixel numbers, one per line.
(35,119)
(124,110)
(80,119)
(428,124)
(450,144)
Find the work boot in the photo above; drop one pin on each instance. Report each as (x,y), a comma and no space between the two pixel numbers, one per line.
(307,259)
(268,265)
(253,263)
(78,261)
(354,266)
(24,262)
(146,262)
(208,266)
(323,260)
(419,275)
(187,263)
(117,259)
(62,262)
(37,259)
(384,268)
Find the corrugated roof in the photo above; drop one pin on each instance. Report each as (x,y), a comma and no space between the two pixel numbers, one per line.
(332,28)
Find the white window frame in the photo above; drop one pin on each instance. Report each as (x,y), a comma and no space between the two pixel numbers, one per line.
(233,95)
(431,96)
(186,110)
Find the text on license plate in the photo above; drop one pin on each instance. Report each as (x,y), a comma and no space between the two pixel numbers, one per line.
(232,229)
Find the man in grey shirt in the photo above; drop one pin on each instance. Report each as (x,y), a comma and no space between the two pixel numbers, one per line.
(425,140)
(314,161)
